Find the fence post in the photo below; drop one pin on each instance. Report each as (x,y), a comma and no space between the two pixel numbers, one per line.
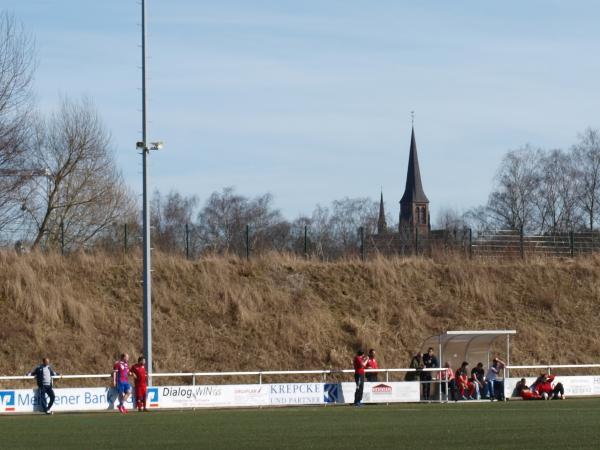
(416,241)
(125,237)
(62,237)
(470,243)
(247,241)
(572,243)
(361,231)
(306,241)
(187,241)
(521,244)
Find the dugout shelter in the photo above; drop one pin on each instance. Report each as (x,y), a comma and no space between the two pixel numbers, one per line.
(472,346)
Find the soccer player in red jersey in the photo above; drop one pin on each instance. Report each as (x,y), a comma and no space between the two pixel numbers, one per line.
(372,364)
(360,361)
(141,383)
(121,380)
(463,383)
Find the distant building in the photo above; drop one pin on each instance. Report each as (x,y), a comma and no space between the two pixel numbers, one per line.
(414,205)
(414,218)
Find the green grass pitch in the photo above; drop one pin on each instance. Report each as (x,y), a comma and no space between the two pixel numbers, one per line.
(512,425)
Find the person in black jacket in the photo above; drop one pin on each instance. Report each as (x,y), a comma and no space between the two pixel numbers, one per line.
(43,375)
(430,361)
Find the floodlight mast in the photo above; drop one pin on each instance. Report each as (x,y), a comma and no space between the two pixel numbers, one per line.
(147,277)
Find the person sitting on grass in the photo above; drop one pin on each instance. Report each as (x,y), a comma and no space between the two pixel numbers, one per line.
(524,392)
(545,388)
(463,383)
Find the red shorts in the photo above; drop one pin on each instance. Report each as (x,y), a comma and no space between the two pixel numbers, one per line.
(140,392)
(529,395)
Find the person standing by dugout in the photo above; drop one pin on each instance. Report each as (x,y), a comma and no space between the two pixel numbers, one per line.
(360,361)
(430,362)
(43,375)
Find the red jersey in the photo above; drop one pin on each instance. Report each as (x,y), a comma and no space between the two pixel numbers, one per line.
(122,370)
(141,377)
(372,364)
(359,368)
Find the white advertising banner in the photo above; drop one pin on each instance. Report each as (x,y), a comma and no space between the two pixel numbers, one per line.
(382,392)
(76,399)
(208,396)
(297,394)
(253,395)
(575,386)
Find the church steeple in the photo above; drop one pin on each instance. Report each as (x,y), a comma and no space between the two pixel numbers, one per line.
(414,205)
(381,223)
(414,189)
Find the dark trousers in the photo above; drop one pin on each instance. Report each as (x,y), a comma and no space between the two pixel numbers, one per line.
(46,390)
(426,377)
(558,389)
(360,385)
(452,395)
(372,377)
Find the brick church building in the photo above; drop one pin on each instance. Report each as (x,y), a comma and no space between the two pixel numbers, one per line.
(414,219)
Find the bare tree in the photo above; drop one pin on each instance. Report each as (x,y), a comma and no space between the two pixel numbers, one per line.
(223,220)
(17,65)
(556,194)
(512,203)
(85,192)
(479,219)
(334,231)
(586,154)
(451,219)
(170,215)
(348,216)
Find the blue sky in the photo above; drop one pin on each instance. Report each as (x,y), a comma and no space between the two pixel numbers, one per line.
(310,100)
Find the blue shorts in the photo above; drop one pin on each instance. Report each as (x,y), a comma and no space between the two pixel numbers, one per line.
(123,387)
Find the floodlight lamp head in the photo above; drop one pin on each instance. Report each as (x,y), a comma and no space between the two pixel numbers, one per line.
(158,145)
(140,145)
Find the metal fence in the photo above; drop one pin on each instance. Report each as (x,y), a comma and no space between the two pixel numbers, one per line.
(516,244)
(248,241)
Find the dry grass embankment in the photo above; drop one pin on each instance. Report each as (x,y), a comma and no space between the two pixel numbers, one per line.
(280,312)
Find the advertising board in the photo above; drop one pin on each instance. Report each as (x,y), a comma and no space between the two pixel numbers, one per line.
(575,386)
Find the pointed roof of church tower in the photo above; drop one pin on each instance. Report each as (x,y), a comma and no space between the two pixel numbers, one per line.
(381,223)
(414,189)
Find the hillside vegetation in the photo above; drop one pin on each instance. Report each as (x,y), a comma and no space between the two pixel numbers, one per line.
(280,312)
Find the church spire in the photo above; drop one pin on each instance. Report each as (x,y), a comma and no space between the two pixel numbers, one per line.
(381,223)
(414,189)
(414,205)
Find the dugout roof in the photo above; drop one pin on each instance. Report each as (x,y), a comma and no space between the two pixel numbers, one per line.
(472,346)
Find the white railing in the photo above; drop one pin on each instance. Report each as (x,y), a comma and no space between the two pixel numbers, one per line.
(259,373)
(557,366)
(323,373)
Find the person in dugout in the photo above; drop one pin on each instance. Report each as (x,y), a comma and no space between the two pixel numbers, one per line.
(463,383)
